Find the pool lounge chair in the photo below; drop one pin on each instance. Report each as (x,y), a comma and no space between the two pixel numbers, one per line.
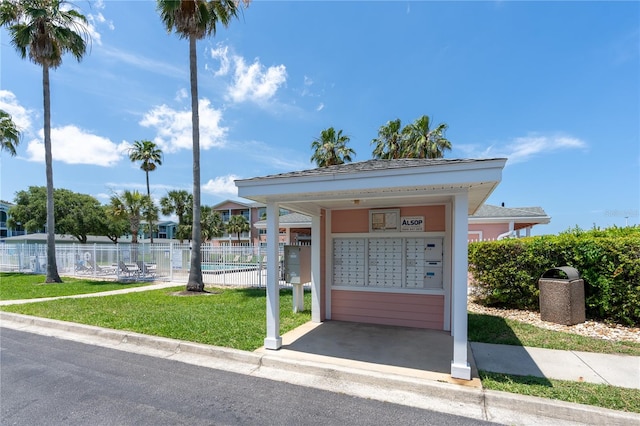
(101,270)
(128,270)
(146,270)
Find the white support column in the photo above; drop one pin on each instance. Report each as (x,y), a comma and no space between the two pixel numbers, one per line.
(315,269)
(460,368)
(273,339)
(328,264)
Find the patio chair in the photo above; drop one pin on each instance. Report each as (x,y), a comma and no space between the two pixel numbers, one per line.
(99,269)
(145,269)
(81,268)
(127,270)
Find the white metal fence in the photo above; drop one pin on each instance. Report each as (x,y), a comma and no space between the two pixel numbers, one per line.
(226,265)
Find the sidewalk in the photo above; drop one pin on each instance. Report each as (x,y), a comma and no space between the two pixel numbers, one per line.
(377,381)
(103,293)
(615,370)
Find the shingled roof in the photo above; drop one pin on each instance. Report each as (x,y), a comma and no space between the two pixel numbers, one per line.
(490,211)
(371,165)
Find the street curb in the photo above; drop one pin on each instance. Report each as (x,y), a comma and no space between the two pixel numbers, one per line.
(446,391)
(488,400)
(561,410)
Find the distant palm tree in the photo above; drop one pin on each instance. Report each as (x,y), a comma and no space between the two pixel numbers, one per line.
(133,206)
(179,202)
(9,134)
(389,143)
(193,20)
(238,224)
(331,148)
(212,224)
(424,142)
(151,157)
(44,30)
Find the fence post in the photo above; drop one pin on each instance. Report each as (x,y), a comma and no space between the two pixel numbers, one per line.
(171,261)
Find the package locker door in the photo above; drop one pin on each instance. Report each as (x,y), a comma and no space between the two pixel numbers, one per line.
(433,263)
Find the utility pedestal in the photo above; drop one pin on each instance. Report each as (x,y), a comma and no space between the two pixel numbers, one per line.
(297,271)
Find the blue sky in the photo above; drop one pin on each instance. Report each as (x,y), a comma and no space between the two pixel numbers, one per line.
(553,86)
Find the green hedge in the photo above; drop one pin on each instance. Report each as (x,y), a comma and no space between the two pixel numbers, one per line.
(506,272)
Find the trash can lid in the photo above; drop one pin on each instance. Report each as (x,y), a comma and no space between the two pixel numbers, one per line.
(570,272)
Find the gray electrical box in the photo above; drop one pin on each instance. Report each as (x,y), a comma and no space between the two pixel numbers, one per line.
(297,264)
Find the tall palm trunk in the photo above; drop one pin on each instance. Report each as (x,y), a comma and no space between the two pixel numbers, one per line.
(195,271)
(52,266)
(149,219)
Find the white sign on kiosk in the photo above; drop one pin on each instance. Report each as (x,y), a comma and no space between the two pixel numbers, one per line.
(412,223)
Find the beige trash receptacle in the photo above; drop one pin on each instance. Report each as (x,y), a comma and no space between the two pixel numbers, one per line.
(562,296)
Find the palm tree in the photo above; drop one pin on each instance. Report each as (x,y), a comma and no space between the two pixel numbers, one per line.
(331,148)
(178,202)
(389,143)
(193,20)
(237,224)
(133,206)
(44,30)
(212,224)
(151,157)
(423,142)
(9,134)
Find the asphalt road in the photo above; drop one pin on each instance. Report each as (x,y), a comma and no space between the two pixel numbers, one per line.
(50,381)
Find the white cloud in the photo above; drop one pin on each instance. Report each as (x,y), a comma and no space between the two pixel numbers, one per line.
(173,128)
(72,145)
(181,95)
(254,83)
(222,54)
(522,149)
(19,114)
(248,82)
(320,107)
(99,19)
(222,185)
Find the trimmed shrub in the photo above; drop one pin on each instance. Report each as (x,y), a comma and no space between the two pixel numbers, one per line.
(506,272)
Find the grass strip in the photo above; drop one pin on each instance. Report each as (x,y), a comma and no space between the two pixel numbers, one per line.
(599,395)
(233,318)
(494,329)
(15,286)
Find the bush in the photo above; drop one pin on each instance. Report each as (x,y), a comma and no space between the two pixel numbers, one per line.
(506,272)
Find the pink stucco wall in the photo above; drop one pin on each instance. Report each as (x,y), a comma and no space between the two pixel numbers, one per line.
(357,220)
(407,310)
(490,231)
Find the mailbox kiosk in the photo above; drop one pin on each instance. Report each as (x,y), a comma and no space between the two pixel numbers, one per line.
(297,271)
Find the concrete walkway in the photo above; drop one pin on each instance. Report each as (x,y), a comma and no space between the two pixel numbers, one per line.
(616,370)
(389,363)
(155,286)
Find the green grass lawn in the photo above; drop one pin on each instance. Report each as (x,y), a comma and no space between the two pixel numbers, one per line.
(494,329)
(233,318)
(599,395)
(15,286)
